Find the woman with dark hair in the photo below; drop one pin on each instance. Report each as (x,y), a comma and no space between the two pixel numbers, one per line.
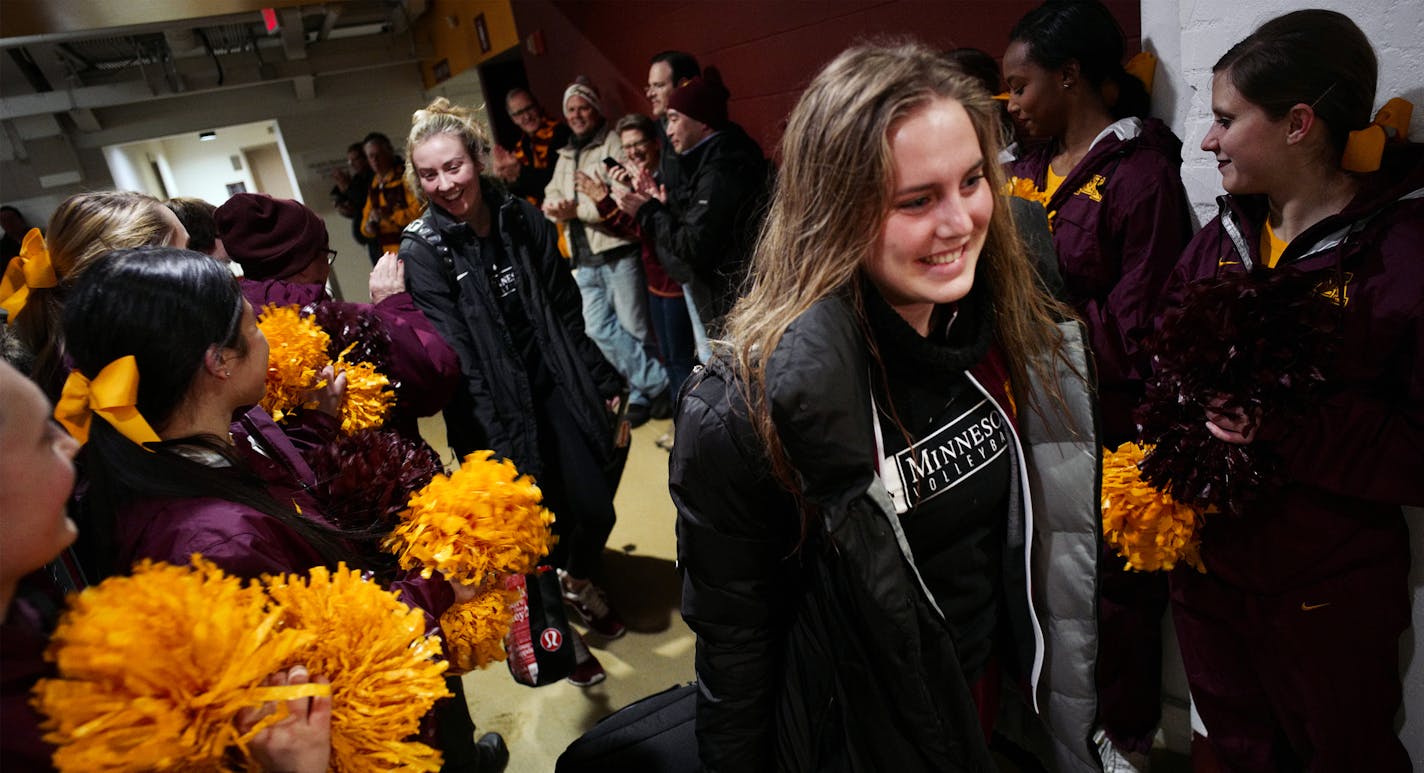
(196,359)
(870,472)
(1109,177)
(168,471)
(1291,637)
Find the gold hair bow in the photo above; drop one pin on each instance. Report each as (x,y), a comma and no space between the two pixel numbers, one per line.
(1142,66)
(1366,146)
(112,394)
(30,270)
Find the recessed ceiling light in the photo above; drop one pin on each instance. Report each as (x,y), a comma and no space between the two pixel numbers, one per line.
(207,136)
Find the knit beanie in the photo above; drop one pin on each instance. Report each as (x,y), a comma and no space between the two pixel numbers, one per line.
(582,88)
(702,98)
(270,238)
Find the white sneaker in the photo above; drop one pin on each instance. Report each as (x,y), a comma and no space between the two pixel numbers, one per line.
(1116,760)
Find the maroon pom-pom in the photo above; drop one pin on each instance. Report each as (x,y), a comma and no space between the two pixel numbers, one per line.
(355,323)
(1256,342)
(365,479)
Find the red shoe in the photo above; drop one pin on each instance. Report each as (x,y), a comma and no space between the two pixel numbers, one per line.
(587,670)
(591,604)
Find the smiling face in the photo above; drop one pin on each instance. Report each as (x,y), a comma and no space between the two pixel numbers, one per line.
(36,478)
(1036,95)
(522,110)
(641,150)
(684,133)
(1243,138)
(580,114)
(939,215)
(447,175)
(660,87)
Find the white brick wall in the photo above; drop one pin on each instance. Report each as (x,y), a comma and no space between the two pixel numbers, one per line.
(1188,37)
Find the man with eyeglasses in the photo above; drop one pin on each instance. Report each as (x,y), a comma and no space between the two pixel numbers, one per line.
(528,168)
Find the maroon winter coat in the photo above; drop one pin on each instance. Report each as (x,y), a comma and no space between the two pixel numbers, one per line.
(1359,453)
(22,645)
(1120,220)
(246,542)
(423,367)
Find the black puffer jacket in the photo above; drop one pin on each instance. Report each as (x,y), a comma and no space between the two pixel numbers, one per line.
(832,656)
(495,410)
(705,233)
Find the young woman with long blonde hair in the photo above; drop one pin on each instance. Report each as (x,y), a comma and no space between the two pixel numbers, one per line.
(869,473)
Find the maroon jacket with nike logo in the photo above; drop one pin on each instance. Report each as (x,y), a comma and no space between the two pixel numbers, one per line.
(1358,455)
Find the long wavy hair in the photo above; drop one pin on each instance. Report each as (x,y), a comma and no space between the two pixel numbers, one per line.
(83,228)
(831,200)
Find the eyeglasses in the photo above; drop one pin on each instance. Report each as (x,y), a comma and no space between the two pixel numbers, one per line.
(520,113)
(330,256)
(632,146)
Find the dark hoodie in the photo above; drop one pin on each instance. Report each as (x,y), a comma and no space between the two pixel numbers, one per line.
(705,232)
(1117,238)
(1359,453)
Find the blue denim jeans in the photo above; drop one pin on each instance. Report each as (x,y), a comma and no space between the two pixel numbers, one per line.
(673,326)
(699,330)
(615,316)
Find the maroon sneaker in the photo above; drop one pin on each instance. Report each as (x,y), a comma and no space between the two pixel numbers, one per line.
(587,670)
(591,604)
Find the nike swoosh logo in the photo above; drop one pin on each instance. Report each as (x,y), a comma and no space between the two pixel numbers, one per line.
(1227,262)
(1304,607)
(462,275)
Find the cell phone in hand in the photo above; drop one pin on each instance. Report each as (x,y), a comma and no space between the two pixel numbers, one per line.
(612,163)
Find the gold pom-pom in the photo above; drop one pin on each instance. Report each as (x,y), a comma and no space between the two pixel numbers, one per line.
(153,668)
(368,397)
(475,630)
(373,647)
(296,355)
(1147,527)
(1023,188)
(476,525)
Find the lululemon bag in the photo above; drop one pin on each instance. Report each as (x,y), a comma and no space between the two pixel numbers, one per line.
(540,644)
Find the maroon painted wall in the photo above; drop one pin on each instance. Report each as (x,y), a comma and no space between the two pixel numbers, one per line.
(767,50)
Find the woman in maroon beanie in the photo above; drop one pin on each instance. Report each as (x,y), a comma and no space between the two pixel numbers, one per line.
(284,252)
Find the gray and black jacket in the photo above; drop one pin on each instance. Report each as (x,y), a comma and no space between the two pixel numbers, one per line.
(824,650)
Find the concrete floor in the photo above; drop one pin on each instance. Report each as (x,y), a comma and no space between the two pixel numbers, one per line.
(655,653)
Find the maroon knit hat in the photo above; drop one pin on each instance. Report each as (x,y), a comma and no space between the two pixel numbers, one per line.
(702,98)
(270,238)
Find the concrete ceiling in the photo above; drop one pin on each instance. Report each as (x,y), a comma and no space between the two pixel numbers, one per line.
(62,62)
